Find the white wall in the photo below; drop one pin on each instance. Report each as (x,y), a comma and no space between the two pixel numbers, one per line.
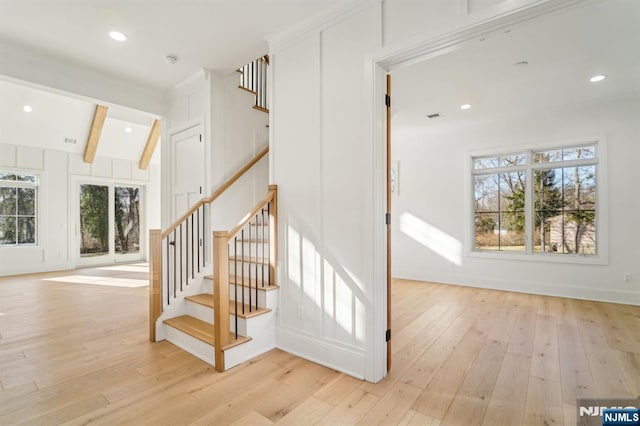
(323,163)
(233,133)
(58,172)
(433,184)
(322,166)
(239,132)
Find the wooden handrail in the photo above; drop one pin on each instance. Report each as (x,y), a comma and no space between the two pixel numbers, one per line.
(266,200)
(218,192)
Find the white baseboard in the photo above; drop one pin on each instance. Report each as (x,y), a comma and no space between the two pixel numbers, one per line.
(337,357)
(532,287)
(34,269)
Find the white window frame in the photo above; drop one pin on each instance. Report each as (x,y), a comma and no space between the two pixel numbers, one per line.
(24,184)
(600,258)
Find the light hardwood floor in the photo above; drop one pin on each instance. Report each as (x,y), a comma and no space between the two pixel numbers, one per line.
(77,354)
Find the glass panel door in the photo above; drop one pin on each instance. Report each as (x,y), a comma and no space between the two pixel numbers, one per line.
(110,224)
(94,220)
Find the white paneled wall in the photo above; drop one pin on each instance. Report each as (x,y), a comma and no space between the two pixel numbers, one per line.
(59,173)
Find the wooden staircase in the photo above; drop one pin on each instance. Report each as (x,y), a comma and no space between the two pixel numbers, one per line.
(228,316)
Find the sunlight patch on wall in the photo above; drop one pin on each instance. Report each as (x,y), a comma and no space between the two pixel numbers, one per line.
(311,273)
(293,258)
(436,240)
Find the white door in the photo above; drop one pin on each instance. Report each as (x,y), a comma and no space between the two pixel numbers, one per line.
(188,157)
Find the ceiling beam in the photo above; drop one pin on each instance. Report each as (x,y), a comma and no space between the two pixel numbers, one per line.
(95,132)
(150,146)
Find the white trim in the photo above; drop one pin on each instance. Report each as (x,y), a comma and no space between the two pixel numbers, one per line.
(352,361)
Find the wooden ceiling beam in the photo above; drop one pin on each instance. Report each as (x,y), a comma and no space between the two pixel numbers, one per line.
(150,146)
(94,134)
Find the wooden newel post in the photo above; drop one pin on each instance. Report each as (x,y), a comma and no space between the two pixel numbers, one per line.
(273,235)
(220,294)
(155,280)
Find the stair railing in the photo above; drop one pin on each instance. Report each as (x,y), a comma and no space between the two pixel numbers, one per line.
(251,267)
(177,254)
(253,78)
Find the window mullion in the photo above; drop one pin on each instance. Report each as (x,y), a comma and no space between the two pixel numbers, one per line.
(528,205)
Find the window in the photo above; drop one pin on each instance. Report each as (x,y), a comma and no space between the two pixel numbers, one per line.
(538,201)
(18,207)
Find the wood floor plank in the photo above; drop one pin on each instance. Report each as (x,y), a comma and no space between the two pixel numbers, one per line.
(421,373)
(575,372)
(441,390)
(508,399)
(544,402)
(545,358)
(351,409)
(471,400)
(393,406)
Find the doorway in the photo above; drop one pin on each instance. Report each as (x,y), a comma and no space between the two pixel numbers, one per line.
(109,223)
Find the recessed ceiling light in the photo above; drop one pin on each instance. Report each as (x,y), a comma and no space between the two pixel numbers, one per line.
(128,129)
(465,106)
(597,78)
(27,108)
(117,36)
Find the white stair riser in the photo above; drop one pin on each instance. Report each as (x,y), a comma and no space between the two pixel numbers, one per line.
(201,312)
(266,299)
(195,347)
(259,270)
(262,248)
(262,331)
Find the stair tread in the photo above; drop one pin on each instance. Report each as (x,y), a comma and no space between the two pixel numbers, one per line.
(202,330)
(199,329)
(259,108)
(206,299)
(246,89)
(232,280)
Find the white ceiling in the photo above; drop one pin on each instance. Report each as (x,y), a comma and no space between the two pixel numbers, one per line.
(563,52)
(213,34)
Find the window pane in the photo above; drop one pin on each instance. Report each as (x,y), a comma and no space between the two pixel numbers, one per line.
(486,163)
(26,230)
(127,220)
(512,160)
(548,202)
(486,193)
(547,156)
(7,230)
(486,229)
(26,201)
(512,231)
(580,153)
(26,178)
(7,201)
(94,220)
(7,176)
